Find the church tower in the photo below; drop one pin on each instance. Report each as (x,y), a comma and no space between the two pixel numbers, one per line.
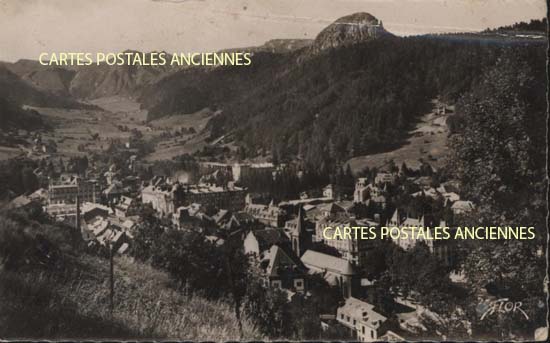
(299,235)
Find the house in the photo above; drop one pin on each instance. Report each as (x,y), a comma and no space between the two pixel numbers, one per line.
(258,241)
(330,209)
(106,232)
(428,192)
(113,192)
(270,215)
(241,221)
(360,317)
(128,227)
(462,206)
(222,217)
(450,197)
(335,270)
(111,175)
(126,207)
(20,201)
(384,177)
(331,192)
(160,196)
(379,201)
(281,269)
(347,205)
(40,195)
(438,193)
(391,336)
(360,194)
(193,217)
(364,190)
(90,210)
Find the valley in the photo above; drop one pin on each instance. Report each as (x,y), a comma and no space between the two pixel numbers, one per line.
(125,190)
(116,119)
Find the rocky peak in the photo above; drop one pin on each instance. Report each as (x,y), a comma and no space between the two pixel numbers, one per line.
(351,29)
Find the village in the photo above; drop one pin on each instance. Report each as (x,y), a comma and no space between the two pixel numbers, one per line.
(285,241)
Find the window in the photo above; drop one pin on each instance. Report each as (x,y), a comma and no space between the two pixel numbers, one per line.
(371,334)
(363,329)
(354,322)
(347,318)
(342,316)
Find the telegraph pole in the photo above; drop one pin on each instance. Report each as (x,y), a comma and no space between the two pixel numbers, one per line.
(78,211)
(111,277)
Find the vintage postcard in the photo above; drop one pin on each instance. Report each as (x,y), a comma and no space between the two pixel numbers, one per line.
(297,170)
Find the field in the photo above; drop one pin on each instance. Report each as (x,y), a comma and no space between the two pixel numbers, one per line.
(78,132)
(189,143)
(428,141)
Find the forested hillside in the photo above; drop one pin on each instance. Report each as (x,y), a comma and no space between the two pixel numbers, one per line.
(340,103)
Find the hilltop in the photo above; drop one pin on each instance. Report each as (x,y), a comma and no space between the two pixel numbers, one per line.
(352,29)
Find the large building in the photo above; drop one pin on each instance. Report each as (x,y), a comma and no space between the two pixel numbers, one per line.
(210,167)
(270,215)
(353,249)
(441,248)
(160,196)
(239,171)
(65,190)
(230,198)
(337,271)
(165,196)
(244,170)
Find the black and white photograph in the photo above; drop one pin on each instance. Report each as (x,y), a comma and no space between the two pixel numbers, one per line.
(273,170)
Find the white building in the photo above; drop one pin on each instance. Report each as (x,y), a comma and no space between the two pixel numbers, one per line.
(360,317)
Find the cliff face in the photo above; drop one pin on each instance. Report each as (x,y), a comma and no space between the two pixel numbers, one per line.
(351,29)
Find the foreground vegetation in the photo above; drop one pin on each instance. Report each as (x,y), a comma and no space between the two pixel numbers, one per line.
(48,288)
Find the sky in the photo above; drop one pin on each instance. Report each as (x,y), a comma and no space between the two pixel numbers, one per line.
(30,27)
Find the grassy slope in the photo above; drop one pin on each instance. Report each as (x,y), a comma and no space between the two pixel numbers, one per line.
(72,302)
(431,141)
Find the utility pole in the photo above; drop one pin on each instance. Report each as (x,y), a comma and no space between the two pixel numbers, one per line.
(78,211)
(111,277)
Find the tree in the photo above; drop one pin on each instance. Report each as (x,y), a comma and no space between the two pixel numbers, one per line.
(267,308)
(499,154)
(148,231)
(29,180)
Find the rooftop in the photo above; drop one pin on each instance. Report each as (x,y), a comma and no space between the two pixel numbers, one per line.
(327,262)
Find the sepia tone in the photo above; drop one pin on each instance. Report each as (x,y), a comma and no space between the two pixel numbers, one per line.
(377,172)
